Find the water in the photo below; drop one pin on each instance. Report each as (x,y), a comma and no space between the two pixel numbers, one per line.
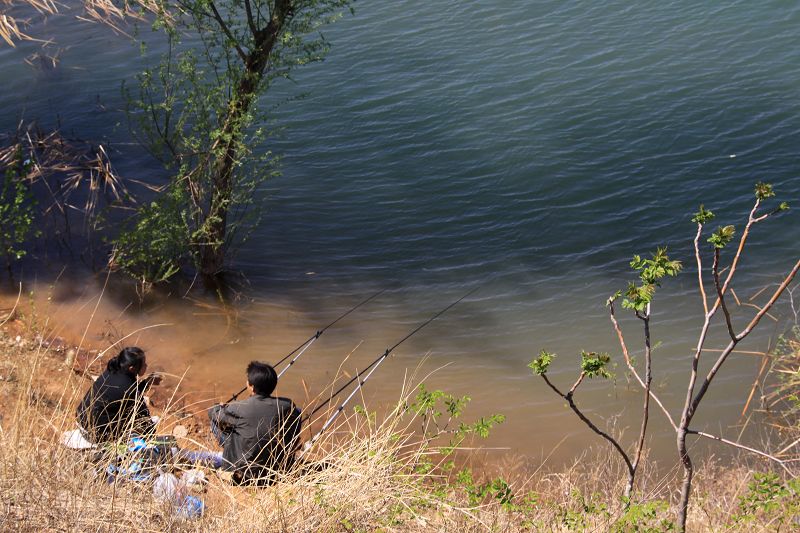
(529,148)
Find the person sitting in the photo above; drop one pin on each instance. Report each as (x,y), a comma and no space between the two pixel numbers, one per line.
(114,408)
(259,435)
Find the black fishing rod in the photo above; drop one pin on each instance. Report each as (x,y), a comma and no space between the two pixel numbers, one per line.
(371,368)
(308,342)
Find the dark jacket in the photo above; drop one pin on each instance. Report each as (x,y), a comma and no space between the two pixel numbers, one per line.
(114,408)
(260,434)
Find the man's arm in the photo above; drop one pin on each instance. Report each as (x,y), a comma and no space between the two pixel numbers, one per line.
(226,416)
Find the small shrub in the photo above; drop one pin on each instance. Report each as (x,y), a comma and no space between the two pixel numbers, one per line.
(769,498)
(16,210)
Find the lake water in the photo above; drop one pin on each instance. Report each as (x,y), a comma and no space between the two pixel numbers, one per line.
(526,148)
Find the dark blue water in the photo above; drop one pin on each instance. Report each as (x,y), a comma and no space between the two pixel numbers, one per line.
(527,147)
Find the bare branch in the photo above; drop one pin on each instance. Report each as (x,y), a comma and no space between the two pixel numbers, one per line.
(591,425)
(648,379)
(720,296)
(727,351)
(717,438)
(228,33)
(629,363)
(756,319)
(750,221)
(251,23)
(700,283)
(575,385)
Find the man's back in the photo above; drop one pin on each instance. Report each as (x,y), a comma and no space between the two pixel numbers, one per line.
(260,433)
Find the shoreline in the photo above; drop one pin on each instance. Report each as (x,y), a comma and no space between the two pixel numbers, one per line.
(584,495)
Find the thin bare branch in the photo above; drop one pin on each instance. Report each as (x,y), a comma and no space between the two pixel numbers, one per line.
(727,351)
(738,302)
(629,363)
(251,23)
(224,27)
(721,297)
(576,384)
(750,221)
(755,385)
(591,425)
(697,257)
(743,352)
(754,306)
(789,447)
(729,442)
(648,379)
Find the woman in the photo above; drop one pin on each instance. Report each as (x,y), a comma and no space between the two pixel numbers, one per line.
(114,408)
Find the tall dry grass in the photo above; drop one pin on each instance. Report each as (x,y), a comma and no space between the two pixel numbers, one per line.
(364,475)
(357,477)
(15,14)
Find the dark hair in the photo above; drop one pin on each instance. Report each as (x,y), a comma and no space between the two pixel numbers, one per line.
(262,377)
(130,356)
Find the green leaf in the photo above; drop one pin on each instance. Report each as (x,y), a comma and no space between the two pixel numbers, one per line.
(651,271)
(703,215)
(593,364)
(541,363)
(720,238)
(764,191)
(613,298)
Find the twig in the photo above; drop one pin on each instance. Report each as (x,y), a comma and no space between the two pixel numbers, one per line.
(755,385)
(13,309)
(733,293)
(721,296)
(717,438)
(589,423)
(628,362)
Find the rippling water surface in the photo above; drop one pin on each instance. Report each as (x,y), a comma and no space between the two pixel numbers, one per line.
(529,148)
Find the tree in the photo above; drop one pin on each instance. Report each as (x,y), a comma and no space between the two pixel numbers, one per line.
(199,113)
(719,240)
(638,298)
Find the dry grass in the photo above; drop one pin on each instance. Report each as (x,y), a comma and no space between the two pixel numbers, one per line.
(782,401)
(357,477)
(364,476)
(10,26)
(75,166)
(112,14)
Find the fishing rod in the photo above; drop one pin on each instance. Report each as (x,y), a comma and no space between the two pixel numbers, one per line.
(371,368)
(308,342)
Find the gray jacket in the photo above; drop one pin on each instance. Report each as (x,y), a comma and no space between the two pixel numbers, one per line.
(260,433)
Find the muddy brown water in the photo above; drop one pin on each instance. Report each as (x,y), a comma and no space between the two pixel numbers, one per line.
(204,352)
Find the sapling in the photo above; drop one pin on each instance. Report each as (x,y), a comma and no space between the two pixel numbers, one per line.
(592,365)
(719,240)
(638,299)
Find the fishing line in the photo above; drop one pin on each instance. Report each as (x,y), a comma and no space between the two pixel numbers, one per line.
(308,342)
(371,368)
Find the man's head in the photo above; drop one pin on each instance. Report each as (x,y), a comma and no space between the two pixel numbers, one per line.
(262,378)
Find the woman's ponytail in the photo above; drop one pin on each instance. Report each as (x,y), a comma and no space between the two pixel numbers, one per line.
(127,357)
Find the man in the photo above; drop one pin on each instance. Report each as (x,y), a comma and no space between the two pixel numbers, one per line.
(259,435)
